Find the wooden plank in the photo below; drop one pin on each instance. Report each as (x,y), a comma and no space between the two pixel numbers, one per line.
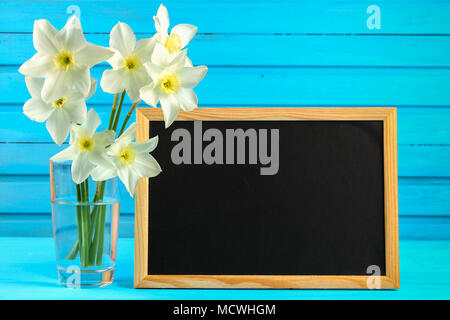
(417,196)
(413,160)
(269,86)
(430,228)
(16,127)
(40,225)
(424,196)
(247,16)
(432,121)
(281,50)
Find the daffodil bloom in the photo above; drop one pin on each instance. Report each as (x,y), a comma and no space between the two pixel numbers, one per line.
(179,36)
(63,58)
(172,85)
(60,113)
(128,72)
(87,147)
(129,160)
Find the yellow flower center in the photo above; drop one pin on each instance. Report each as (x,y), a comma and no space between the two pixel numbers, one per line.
(132,62)
(173,43)
(64,60)
(170,83)
(127,155)
(58,104)
(86,144)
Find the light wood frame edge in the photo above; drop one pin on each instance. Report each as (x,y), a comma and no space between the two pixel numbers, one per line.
(390,281)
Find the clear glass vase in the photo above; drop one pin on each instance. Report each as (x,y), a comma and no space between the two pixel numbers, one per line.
(85,228)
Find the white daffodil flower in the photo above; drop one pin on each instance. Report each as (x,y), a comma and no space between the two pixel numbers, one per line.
(179,37)
(128,72)
(63,58)
(87,147)
(60,113)
(173,86)
(129,160)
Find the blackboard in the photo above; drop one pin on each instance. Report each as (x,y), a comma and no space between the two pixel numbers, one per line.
(268,198)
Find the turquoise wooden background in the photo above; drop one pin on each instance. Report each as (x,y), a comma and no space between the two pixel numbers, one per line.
(259,53)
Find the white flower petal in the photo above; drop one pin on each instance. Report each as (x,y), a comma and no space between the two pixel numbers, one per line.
(55,86)
(100,158)
(92,122)
(69,153)
(187,98)
(34,86)
(72,35)
(154,71)
(170,107)
(162,21)
(44,37)
(92,88)
(186,32)
(135,81)
(123,39)
(129,134)
(58,125)
(188,62)
(161,56)
(150,95)
(103,139)
(103,173)
(116,61)
(113,81)
(146,166)
(37,110)
(81,79)
(91,55)
(129,178)
(147,146)
(178,61)
(76,110)
(144,48)
(190,77)
(81,167)
(38,66)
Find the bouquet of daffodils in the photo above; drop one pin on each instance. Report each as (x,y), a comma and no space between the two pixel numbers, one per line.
(154,69)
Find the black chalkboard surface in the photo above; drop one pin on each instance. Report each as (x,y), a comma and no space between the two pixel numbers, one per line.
(267,198)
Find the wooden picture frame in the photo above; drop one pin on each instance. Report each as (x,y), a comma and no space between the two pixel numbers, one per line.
(389,281)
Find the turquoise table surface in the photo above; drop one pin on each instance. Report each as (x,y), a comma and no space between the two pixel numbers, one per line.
(28,271)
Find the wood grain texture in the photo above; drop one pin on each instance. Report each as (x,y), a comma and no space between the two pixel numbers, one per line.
(390,281)
(302,86)
(298,49)
(432,121)
(293,53)
(141,215)
(262,282)
(391,197)
(246,16)
(418,197)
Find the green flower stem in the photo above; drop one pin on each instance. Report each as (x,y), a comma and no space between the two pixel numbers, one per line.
(101,234)
(73,253)
(91,223)
(85,241)
(95,226)
(113,110)
(116,120)
(133,106)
